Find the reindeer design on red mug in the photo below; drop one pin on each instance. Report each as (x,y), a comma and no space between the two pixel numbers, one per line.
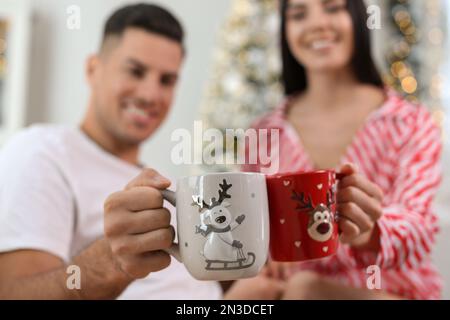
(320,225)
(221,250)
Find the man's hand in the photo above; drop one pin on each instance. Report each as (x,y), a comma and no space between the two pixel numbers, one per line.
(359,203)
(137,227)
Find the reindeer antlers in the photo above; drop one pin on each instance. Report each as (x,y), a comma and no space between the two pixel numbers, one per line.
(223,193)
(303,204)
(307,203)
(198,201)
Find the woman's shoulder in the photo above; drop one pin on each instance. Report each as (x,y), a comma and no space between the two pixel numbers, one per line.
(407,112)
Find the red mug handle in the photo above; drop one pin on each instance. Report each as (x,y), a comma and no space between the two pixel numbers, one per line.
(340,176)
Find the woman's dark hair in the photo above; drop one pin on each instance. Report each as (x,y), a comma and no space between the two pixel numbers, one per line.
(293,73)
(148,17)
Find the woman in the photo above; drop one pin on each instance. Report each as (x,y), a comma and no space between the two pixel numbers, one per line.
(337,114)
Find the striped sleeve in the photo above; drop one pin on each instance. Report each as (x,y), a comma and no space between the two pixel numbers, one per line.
(408,225)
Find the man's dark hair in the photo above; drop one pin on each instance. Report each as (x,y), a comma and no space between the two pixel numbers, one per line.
(148,17)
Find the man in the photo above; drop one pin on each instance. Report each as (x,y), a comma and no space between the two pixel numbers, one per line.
(54,182)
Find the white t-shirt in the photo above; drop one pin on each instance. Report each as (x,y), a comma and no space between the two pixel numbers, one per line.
(53,183)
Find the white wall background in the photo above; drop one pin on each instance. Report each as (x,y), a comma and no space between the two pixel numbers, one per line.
(58,92)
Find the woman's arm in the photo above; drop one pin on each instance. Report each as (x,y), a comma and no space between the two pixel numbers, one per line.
(407,227)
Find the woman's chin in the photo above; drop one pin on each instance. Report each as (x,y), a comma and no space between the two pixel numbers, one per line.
(326,67)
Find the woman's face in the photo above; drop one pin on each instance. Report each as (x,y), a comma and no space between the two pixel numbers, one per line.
(320,33)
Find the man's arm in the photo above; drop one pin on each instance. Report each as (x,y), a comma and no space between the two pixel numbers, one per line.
(29,274)
(137,231)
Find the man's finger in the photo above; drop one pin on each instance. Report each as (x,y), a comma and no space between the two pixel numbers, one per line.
(149,178)
(136,199)
(160,239)
(139,222)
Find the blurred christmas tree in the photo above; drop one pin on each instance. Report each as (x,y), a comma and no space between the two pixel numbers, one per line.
(416,30)
(246,66)
(246,69)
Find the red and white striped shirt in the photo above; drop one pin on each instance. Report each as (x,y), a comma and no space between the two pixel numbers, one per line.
(399,149)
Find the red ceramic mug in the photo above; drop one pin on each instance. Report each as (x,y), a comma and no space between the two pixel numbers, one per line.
(302,209)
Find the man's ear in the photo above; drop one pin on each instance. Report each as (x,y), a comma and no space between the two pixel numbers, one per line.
(92,64)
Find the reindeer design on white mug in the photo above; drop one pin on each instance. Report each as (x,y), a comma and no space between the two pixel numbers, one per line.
(221,250)
(320,225)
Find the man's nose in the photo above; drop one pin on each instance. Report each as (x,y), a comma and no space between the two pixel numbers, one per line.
(149,90)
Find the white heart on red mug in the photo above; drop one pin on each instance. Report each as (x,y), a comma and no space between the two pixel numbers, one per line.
(298,244)
(286,183)
(325,249)
(282,221)
(320,186)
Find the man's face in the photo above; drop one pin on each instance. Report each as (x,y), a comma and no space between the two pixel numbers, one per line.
(133,82)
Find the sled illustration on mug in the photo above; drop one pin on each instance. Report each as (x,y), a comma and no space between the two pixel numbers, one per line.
(320,225)
(221,250)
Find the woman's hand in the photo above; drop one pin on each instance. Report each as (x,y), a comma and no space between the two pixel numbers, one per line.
(261,287)
(280,270)
(359,204)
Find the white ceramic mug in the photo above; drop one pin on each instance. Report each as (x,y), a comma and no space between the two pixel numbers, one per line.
(222,225)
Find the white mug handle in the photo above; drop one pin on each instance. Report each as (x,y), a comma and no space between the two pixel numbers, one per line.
(174,250)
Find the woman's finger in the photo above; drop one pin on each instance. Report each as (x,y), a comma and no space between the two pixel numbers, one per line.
(273,270)
(349,230)
(369,206)
(348,169)
(361,182)
(354,213)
